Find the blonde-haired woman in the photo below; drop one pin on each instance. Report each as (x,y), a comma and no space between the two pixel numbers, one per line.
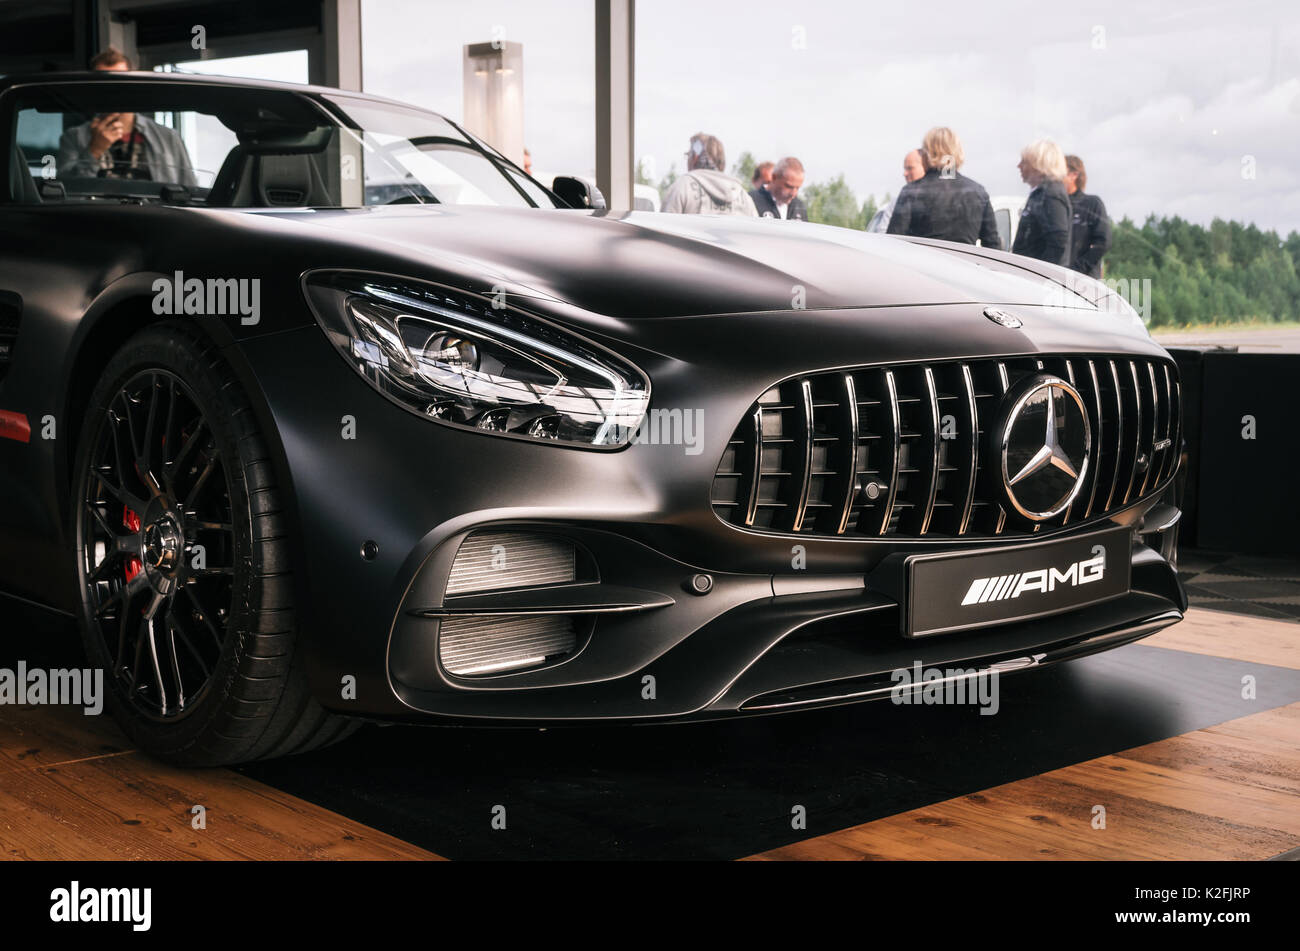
(943,203)
(1044,231)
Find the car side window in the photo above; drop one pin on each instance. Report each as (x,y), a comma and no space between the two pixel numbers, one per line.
(64,154)
(37,137)
(174,143)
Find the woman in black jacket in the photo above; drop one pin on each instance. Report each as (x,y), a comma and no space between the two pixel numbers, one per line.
(1090,236)
(944,203)
(1044,230)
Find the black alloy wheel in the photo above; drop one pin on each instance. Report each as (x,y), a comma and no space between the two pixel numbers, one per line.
(182,547)
(159,546)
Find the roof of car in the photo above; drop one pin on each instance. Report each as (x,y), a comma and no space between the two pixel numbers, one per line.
(139,76)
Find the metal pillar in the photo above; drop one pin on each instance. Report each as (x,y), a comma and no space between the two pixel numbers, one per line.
(615,72)
(341,43)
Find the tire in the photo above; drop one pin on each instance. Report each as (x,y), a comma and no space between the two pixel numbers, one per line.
(183,566)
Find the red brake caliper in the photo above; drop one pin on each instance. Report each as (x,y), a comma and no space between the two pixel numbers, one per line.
(132,522)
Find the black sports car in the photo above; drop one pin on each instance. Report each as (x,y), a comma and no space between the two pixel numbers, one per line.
(316,408)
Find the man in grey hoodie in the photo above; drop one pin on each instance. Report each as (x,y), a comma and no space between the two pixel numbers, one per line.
(706,189)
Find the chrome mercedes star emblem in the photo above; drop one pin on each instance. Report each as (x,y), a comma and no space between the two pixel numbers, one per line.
(1046,441)
(999,316)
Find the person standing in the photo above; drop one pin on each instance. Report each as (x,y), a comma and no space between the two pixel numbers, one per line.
(1044,231)
(779,198)
(705,189)
(124,144)
(1090,236)
(913,167)
(943,203)
(913,170)
(762,174)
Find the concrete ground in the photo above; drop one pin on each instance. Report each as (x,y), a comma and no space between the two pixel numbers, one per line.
(1246,339)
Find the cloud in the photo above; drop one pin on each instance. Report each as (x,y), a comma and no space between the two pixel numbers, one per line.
(1162,100)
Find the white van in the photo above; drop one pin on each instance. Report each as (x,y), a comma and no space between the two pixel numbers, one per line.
(1006,211)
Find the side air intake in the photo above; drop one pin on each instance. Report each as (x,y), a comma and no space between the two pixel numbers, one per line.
(483,643)
(495,561)
(473,646)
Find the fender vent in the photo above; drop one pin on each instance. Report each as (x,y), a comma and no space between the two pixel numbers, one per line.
(475,646)
(497,561)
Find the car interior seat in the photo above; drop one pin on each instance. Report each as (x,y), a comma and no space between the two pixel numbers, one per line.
(268,181)
(21,187)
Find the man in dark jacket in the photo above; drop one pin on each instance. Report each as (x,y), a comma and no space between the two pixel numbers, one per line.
(1044,231)
(943,203)
(779,198)
(1090,225)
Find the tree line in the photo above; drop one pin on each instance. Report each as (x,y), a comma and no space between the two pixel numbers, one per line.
(1227,273)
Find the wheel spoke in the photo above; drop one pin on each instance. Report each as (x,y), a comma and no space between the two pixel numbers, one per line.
(175,663)
(118,490)
(202,616)
(134,502)
(99,517)
(149,614)
(174,624)
(123,624)
(123,595)
(154,487)
(190,443)
(147,450)
(140,445)
(155,603)
(203,477)
(115,598)
(135,664)
(165,464)
(125,399)
(100,571)
(116,546)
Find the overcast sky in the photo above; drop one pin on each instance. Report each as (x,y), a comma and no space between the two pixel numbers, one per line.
(1176,107)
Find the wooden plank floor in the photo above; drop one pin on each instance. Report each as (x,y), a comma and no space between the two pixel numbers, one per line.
(1227,792)
(72,788)
(1230,791)
(1239,636)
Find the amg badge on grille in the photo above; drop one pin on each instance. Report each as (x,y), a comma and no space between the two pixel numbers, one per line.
(1046,439)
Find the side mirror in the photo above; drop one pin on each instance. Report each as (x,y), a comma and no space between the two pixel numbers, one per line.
(578,192)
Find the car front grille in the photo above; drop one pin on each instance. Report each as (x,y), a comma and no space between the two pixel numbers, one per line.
(907,450)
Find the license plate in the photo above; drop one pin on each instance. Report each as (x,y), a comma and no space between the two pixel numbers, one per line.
(969,589)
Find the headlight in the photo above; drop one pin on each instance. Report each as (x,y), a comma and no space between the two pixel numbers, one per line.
(462,362)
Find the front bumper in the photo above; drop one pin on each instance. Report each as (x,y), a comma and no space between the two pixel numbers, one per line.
(765,636)
(753,643)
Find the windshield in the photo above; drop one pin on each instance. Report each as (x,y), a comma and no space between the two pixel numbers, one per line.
(412,156)
(245,147)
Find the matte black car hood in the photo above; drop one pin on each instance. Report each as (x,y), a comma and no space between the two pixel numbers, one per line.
(641,265)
